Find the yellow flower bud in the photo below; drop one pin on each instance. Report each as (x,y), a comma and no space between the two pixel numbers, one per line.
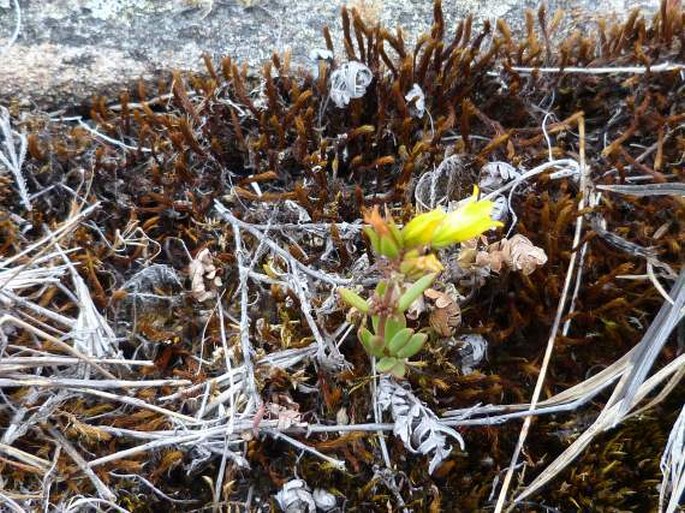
(419,231)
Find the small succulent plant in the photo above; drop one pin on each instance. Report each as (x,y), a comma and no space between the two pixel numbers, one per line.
(412,269)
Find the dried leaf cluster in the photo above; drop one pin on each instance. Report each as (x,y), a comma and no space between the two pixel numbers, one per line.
(518,254)
(201,269)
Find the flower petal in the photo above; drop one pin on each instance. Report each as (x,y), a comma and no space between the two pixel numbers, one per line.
(464,223)
(419,231)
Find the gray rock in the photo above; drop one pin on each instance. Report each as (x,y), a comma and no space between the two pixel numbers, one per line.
(69,50)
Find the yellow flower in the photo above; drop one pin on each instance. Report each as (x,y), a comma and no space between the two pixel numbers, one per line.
(467,222)
(419,231)
(440,229)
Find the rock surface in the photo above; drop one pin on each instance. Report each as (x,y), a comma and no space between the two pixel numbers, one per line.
(66,51)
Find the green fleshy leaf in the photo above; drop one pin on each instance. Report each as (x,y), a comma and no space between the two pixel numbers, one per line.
(397,235)
(393,325)
(413,292)
(389,247)
(373,344)
(386,363)
(400,339)
(399,369)
(353,299)
(381,288)
(364,335)
(373,238)
(413,346)
(375,322)
(377,346)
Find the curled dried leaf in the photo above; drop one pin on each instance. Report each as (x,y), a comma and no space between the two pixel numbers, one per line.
(202,268)
(420,430)
(349,82)
(295,495)
(286,416)
(525,256)
(445,314)
(495,261)
(517,253)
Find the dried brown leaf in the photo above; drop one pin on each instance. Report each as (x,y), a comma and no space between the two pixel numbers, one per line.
(445,314)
